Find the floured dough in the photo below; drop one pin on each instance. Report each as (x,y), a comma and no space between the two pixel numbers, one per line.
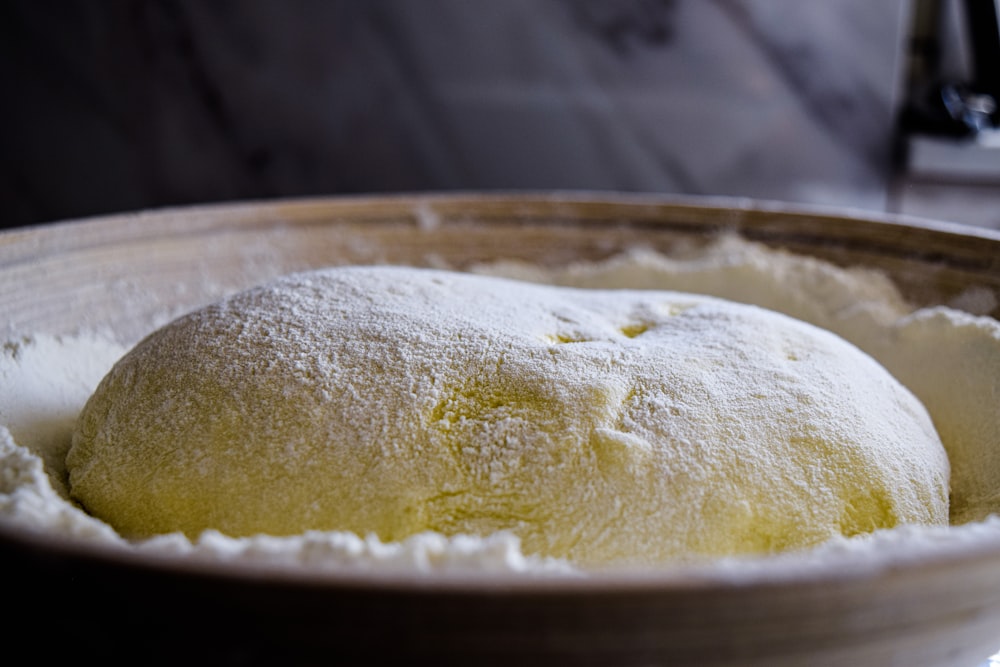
(628,427)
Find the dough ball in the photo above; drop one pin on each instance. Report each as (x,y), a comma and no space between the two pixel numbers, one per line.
(605,427)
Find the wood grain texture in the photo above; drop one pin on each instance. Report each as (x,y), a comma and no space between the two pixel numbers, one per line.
(942,609)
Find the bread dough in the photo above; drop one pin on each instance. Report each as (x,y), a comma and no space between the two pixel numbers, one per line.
(601,426)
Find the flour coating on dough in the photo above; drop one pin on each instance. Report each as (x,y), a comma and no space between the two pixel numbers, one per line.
(626,427)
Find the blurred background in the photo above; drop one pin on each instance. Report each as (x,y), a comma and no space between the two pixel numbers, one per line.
(127,104)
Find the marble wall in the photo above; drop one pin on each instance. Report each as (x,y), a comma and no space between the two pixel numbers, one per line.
(132,104)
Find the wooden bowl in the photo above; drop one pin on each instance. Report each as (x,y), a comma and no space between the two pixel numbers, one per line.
(938,608)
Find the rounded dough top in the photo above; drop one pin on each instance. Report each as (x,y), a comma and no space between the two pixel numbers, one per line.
(625,427)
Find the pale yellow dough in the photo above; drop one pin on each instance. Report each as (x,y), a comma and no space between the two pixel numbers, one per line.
(605,427)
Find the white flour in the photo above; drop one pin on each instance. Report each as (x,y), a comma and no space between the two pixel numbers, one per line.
(950,360)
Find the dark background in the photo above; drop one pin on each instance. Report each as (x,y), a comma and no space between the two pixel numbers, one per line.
(123,105)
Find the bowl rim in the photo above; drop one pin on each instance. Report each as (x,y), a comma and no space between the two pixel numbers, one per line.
(765,573)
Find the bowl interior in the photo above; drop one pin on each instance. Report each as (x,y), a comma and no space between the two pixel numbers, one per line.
(124,274)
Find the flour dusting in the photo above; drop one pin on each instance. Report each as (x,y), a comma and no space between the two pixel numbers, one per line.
(948,359)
